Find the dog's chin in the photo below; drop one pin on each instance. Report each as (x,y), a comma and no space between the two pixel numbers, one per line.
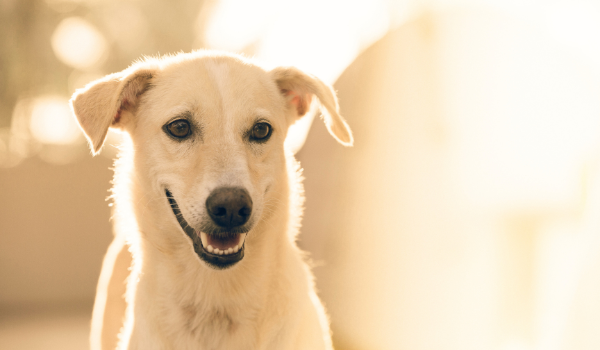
(218,249)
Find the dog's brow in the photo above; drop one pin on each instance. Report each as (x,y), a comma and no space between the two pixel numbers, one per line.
(186,115)
(180,111)
(260,114)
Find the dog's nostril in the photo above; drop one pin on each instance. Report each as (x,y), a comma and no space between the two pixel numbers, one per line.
(220,211)
(229,206)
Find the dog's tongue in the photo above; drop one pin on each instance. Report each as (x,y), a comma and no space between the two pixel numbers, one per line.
(223,243)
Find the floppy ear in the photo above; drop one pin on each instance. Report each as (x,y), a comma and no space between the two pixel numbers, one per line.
(108,102)
(298,88)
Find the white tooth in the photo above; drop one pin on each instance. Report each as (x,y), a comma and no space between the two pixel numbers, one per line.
(242,239)
(204,239)
(236,248)
(230,250)
(221,252)
(210,248)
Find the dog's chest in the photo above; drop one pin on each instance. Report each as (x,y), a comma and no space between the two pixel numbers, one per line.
(213,321)
(217,328)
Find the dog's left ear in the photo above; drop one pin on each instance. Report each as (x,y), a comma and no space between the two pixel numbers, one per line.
(109,102)
(298,88)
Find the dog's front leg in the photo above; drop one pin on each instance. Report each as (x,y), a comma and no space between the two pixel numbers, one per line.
(110,305)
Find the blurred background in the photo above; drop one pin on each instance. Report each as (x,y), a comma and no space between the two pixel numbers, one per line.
(467,216)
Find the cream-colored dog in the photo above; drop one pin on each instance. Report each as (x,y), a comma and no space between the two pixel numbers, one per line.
(209,201)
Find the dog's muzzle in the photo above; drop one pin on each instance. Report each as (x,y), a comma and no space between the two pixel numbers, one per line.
(220,243)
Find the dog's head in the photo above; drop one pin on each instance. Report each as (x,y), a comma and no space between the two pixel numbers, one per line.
(208,135)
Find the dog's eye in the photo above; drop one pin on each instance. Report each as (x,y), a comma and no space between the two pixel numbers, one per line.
(179,128)
(260,132)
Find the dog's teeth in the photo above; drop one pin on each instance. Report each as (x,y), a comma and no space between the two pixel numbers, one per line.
(217,251)
(204,239)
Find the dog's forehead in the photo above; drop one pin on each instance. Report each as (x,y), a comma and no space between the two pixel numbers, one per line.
(216,86)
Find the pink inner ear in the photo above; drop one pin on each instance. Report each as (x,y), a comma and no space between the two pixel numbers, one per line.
(117,117)
(300,102)
(130,94)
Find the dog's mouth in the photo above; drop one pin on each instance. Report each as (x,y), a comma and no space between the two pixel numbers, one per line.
(219,251)
(222,245)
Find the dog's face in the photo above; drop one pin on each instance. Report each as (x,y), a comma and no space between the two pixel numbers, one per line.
(211,137)
(208,133)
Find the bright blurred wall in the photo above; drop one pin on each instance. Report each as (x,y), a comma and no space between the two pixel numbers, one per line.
(466,217)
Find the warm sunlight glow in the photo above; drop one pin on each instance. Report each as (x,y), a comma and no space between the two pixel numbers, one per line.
(318,39)
(78,43)
(52,121)
(575,24)
(235,24)
(515,345)
(321,37)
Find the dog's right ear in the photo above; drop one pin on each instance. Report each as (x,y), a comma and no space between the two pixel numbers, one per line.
(109,102)
(298,89)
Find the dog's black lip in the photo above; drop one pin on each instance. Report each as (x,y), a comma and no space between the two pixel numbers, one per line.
(213,260)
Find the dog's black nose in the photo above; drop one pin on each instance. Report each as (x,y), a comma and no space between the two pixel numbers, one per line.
(229,207)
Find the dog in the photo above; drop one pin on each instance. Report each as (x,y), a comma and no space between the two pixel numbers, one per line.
(209,200)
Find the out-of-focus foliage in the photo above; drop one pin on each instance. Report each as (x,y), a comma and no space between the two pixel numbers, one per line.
(27,63)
